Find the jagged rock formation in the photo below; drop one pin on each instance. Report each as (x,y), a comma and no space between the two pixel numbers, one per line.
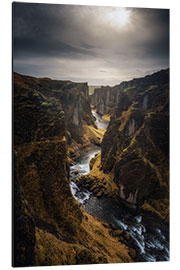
(106,98)
(134,163)
(136,145)
(72,99)
(50,227)
(41,154)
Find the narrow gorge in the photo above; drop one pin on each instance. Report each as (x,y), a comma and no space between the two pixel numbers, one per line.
(91,181)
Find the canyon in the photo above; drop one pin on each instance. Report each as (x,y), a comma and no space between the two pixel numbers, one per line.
(139,126)
(75,153)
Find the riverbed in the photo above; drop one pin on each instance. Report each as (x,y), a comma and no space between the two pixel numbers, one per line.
(149,236)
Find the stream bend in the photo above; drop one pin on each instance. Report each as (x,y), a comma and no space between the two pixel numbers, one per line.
(149,237)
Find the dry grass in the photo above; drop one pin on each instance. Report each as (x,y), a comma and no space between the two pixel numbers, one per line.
(125,117)
(102,242)
(95,243)
(106,117)
(94,135)
(102,177)
(52,251)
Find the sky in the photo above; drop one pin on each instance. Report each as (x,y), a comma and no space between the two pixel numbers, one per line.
(94,44)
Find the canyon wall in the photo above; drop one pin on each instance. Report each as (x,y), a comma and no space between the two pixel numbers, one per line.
(106,99)
(139,153)
(40,163)
(135,147)
(49,226)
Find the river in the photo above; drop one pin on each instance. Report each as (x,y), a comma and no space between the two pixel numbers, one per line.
(101,123)
(149,236)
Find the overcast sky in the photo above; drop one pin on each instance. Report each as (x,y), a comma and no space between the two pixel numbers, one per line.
(98,45)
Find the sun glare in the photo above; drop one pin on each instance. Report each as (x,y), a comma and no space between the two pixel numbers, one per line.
(118,16)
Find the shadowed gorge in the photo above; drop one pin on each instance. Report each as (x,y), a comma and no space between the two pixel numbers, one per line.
(139,126)
(55,229)
(132,170)
(90,185)
(90,146)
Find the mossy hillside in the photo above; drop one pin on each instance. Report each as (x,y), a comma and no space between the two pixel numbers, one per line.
(100,239)
(41,167)
(53,229)
(98,182)
(136,168)
(40,148)
(106,117)
(138,156)
(94,135)
(82,138)
(71,99)
(72,102)
(105,99)
(96,245)
(65,99)
(62,235)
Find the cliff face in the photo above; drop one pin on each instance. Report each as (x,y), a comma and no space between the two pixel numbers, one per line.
(72,97)
(49,226)
(40,153)
(139,154)
(106,99)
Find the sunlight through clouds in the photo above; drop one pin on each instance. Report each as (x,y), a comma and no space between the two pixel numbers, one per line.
(118,16)
(100,45)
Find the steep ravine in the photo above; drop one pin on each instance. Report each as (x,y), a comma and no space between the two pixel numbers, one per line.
(144,232)
(50,227)
(54,128)
(135,148)
(132,169)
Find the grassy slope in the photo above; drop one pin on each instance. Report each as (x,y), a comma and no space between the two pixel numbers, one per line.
(61,232)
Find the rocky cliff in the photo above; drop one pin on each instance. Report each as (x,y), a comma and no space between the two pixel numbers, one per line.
(40,154)
(134,163)
(50,228)
(73,99)
(138,156)
(106,99)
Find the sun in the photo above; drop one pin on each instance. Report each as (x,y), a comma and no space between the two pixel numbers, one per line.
(118,16)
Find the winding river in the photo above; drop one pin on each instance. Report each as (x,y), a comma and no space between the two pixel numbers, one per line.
(147,235)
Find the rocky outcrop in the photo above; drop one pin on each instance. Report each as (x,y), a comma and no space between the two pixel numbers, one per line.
(139,154)
(106,99)
(41,167)
(72,99)
(50,228)
(133,166)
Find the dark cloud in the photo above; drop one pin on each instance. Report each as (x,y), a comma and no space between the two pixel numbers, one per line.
(86,43)
(41,30)
(48,48)
(152,28)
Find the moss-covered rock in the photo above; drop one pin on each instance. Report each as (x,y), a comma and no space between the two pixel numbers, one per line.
(135,148)
(50,228)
